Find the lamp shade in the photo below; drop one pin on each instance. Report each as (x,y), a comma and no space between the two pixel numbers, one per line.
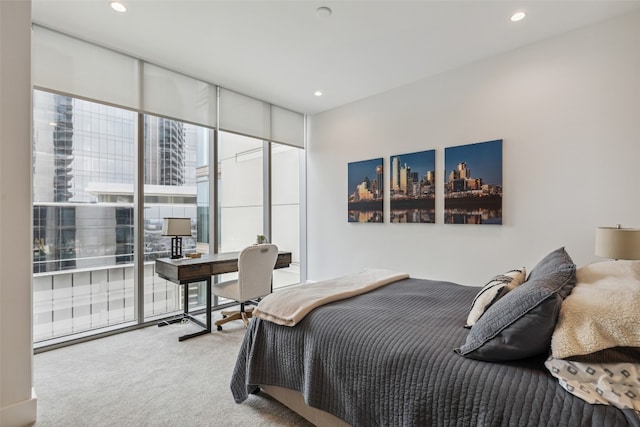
(176,227)
(618,243)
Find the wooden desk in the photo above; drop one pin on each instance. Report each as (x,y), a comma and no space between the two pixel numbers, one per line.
(189,270)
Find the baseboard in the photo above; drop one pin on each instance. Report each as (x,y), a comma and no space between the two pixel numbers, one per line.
(20,414)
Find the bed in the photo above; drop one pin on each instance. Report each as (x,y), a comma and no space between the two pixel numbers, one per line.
(399,355)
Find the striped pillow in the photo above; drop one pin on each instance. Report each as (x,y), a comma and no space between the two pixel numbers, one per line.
(493,291)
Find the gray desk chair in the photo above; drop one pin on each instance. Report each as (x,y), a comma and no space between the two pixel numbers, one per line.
(255,268)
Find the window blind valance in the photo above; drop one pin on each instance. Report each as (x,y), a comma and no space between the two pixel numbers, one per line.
(65,64)
(248,116)
(245,115)
(175,95)
(287,127)
(68,65)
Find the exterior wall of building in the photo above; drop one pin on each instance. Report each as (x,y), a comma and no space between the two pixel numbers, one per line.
(84,169)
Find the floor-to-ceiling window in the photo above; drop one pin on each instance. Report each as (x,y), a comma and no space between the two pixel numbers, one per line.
(83,173)
(84,164)
(285,209)
(175,185)
(119,144)
(242,208)
(240,191)
(83,193)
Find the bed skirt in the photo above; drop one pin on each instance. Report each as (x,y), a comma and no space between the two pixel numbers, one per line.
(294,400)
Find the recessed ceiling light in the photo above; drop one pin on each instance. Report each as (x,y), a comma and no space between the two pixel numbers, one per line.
(317,93)
(117,6)
(323,12)
(518,16)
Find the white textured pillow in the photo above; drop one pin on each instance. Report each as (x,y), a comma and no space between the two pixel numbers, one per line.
(493,291)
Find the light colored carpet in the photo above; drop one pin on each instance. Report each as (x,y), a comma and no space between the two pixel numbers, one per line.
(147,378)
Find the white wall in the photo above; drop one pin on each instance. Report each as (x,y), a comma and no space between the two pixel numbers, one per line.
(17,404)
(568,111)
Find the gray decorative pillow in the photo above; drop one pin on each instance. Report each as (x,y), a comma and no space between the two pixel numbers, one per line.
(520,324)
(497,287)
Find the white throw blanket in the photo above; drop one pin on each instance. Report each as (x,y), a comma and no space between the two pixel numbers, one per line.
(289,306)
(616,384)
(602,311)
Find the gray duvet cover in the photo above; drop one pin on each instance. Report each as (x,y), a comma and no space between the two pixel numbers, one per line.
(386,358)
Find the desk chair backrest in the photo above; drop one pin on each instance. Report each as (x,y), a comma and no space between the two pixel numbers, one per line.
(255,269)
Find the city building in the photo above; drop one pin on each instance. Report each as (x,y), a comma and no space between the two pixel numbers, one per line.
(84,169)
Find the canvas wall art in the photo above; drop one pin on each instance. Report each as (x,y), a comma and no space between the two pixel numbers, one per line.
(473,183)
(365,191)
(412,187)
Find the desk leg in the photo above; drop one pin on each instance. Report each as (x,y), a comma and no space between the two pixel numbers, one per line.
(185,309)
(186,315)
(209,304)
(185,302)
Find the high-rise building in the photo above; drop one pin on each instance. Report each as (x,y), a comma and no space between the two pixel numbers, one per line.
(395,174)
(164,149)
(405,173)
(84,172)
(379,182)
(429,178)
(463,171)
(63,149)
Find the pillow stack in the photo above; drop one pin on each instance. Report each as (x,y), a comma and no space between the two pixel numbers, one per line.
(595,347)
(520,324)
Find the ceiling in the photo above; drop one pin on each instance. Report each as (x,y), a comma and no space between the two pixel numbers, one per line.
(282,51)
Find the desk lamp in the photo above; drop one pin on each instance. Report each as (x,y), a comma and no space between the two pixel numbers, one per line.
(618,242)
(176,227)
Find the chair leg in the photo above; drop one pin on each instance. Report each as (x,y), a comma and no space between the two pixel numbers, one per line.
(230,315)
(245,319)
(226,313)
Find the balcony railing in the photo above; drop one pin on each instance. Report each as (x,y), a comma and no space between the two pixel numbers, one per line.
(77,301)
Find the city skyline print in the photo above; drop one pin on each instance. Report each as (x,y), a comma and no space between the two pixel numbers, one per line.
(365,191)
(412,187)
(473,183)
